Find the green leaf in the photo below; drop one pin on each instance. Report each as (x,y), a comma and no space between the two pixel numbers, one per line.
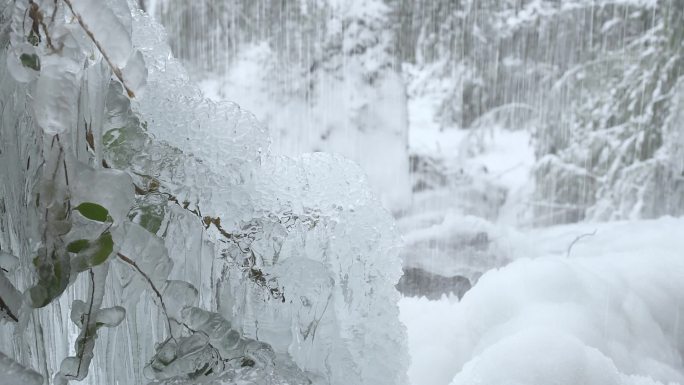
(96,253)
(39,296)
(93,211)
(105,246)
(31,61)
(149,214)
(78,246)
(53,278)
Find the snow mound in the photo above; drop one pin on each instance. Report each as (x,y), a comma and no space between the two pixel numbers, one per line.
(604,315)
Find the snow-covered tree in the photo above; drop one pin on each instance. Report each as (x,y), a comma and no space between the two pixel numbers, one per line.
(606,146)
(596,81)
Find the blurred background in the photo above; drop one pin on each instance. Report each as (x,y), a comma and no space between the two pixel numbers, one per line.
(475,120)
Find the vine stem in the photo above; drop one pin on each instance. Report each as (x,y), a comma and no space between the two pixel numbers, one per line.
(7,310)
(154,288)
(38,19)
(577,239)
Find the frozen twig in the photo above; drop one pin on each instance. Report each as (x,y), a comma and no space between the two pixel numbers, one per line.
(37,17)
(5,308)
(577,239)
(154,288)
(116,70)
(86,325)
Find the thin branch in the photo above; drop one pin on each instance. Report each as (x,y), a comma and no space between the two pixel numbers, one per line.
(54,12)
(154,288)
(577,239)
(216,221)
(206,220)
(7,310)
(90,34)
(86,325)
(38,21)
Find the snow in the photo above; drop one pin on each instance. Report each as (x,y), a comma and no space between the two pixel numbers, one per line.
(610,313)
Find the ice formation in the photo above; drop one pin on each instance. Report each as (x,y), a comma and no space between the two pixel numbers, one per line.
(14,373)
(155,239)
(320,74)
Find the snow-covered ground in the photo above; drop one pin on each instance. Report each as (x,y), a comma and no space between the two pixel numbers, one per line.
(605,311)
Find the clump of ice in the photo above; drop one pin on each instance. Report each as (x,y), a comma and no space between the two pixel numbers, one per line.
(14,373)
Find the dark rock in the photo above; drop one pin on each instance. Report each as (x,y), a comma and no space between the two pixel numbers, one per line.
(417,282)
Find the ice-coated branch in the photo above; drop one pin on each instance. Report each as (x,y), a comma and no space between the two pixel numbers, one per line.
(10,299)
(577,239)
(4,308)
(115,69)
(89,318)
(152,286)
(81,352)
(38,19)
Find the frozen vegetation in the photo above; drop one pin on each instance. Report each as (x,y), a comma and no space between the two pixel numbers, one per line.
(519,161)
(149,236)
